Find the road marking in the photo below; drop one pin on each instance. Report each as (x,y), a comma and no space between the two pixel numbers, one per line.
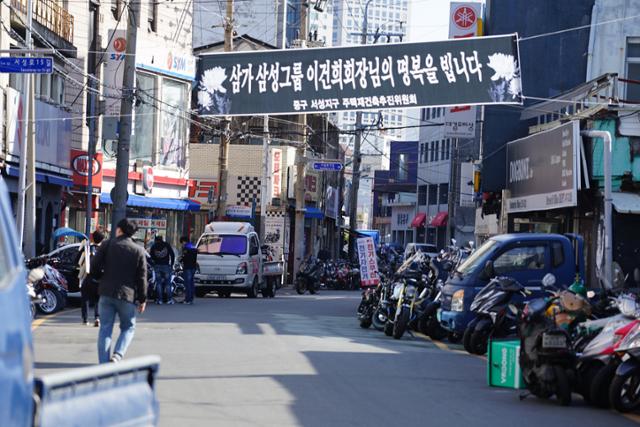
(39,321)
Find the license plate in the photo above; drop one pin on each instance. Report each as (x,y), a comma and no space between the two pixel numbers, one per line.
(554,341)
(215,277)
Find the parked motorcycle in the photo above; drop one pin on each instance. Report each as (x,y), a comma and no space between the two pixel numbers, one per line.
(367,307)
(53,289)
(308,277)
(547,359)
(496,314)
(624,391)
(34,276)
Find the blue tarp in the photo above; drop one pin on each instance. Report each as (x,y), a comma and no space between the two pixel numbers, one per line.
(311,212)
(155,202)
(370,233)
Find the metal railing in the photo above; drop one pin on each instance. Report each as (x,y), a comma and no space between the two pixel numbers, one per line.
(50,14)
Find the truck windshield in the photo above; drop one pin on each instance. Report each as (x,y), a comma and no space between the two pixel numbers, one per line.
(477,259)
(222,244)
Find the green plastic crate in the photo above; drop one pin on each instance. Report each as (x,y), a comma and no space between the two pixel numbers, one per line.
(503,364)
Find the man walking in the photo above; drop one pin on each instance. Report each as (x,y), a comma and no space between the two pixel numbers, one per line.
(163,258)
(123,284)
(189,263)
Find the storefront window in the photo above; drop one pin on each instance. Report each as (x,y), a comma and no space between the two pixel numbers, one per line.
(174,129)
(145,118)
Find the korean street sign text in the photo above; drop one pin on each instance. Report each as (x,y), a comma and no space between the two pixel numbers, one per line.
(12,64)
(368,262)
(482,70)
(327,166)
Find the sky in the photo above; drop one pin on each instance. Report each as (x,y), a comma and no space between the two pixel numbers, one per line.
(428,20)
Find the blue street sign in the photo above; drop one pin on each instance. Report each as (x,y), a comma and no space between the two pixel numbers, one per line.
(327,166)
(13,64)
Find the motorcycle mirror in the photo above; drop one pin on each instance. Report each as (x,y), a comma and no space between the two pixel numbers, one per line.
(472,244)
(453,242)
(549,280)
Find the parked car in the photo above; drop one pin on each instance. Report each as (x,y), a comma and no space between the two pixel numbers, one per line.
(425,248)
(525,257)
(44,401)
(230,260)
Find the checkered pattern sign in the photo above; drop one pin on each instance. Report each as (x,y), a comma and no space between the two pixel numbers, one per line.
(248,190)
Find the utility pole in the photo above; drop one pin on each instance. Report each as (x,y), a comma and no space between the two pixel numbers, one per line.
(223,160)
(90,154)
(264,188)
(355,177)
(120,194)
(25,215)
(453,189)
(300,164)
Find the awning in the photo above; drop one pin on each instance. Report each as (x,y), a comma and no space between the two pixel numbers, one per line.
(44,177)
(374,234)
(418,220)
(626,203)
(311,212)
(155,202)
(66,231)
(440,220)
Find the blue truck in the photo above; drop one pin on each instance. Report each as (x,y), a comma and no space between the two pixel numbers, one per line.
(527,257)
(103,395)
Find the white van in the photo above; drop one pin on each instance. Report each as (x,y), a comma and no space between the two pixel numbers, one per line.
(229,260)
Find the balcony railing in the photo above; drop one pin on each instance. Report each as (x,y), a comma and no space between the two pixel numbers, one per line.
(50,15)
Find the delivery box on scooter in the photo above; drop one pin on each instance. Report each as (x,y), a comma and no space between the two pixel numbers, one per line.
(503,364)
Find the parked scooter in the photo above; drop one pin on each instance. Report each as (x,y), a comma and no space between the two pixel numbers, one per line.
(367,307)
(496,314)
(624,391)
(547,359)
(52,287)
(308,277)
(34,276)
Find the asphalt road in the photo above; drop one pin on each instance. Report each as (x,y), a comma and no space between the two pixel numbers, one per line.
(303,360)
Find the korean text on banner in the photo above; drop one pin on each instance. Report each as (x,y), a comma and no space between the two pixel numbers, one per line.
(467,71)
(368,262)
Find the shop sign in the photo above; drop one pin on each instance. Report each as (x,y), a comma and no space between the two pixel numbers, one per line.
(331,202)
(147,178)
(147,223)
(543,169)
(204,190)
(276,173)
(464,71)
(80,168)
(401,217)
(239,211)
(274,234)
(368,262)
(465,20)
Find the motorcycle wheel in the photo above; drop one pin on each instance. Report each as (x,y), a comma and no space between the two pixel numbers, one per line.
(479,341)
(563,388)
(388,329)
(466,340)
(53,301)
(365,323)
(435,331)
(599,387)
(300,287)
(623,392)
(378,323)
(400,325)
(178,293)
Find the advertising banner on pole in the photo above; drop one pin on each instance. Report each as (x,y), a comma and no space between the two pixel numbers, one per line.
(368,262)
(543,169)
(465,20)
(274,234)
(467,71)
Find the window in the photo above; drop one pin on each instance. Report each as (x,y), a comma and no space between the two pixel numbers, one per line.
(222,244)
(436,149)
(153,16)
(57,89)
(433,194)
(448,149)
(421,153)
(403,172)
(444,194)
(422,195)
(254,248)
(431,151)
(557,254)
(633,70)
(520,258)
(174,127)
(443,150)
(144,133)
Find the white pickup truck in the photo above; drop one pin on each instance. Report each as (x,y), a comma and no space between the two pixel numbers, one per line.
(230,261)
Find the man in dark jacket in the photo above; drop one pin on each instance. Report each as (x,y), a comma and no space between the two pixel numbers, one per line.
(163,258)
(123,284)
(189,264)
